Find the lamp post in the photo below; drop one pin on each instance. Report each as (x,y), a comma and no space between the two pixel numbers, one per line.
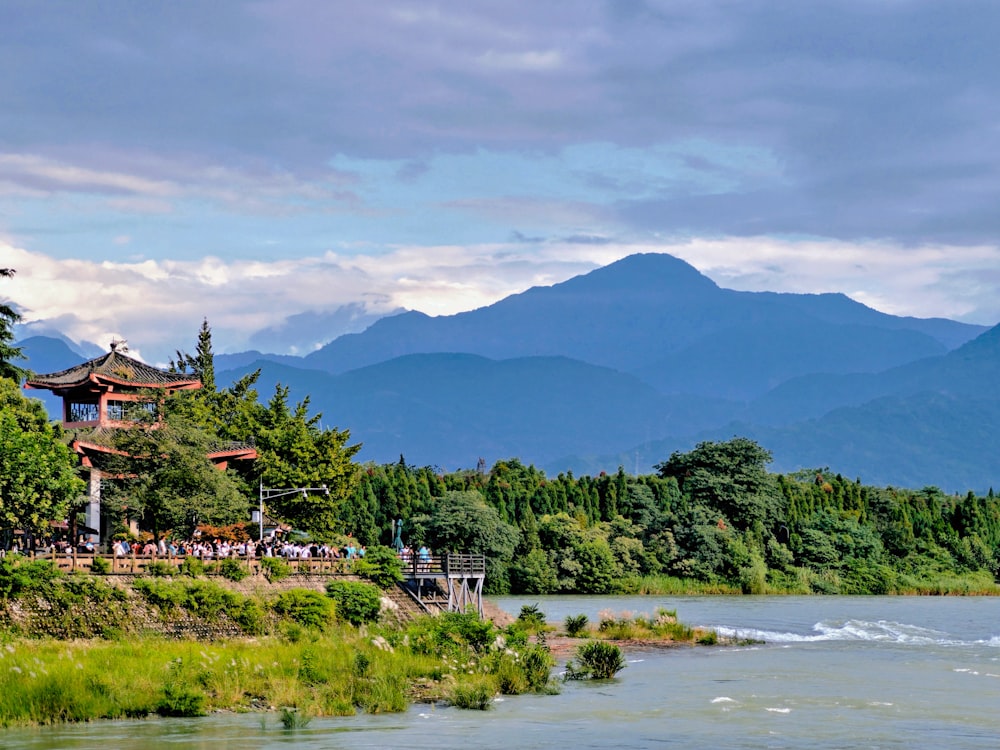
(268,493)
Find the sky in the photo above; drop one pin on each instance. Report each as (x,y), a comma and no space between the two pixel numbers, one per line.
(291,170)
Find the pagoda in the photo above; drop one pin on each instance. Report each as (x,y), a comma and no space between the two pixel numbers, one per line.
(105,394)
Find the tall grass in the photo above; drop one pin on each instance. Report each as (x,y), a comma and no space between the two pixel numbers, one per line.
(798,581)
(334,672)
(305,659)
(978,583)
(661,585)
(662,626)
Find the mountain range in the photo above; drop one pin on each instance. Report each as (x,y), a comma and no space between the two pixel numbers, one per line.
(630,362)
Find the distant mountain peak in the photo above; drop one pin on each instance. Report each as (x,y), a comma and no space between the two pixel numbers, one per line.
(656,271)
(985,344)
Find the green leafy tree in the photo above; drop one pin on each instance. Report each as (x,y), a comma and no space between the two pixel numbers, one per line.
(38,481)
(166,479)
(293,448)
(598,571)
(380,565)
(357,513)
(730,477)
(463,522)
(294,451)
(533,573)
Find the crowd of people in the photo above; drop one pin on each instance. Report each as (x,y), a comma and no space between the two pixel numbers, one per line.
(216,549)
(221,548)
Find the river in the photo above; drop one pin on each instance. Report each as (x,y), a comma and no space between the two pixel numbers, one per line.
(834,672)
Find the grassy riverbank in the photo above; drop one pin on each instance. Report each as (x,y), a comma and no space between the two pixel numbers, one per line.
(804,582)
(79,647)
(453,658)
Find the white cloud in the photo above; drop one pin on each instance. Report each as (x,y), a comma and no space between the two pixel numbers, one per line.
(41,173)
(151,185)
(158,305)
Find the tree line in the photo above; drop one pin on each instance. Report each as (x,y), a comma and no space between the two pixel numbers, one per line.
(713,515)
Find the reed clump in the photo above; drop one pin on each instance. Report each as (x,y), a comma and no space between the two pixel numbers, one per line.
(595,660)
(662,626)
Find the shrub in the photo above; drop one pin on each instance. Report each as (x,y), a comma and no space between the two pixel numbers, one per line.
(477,696)
(537,665)
(357,603)
(292,718)
(165,595)
(305,607)
(361,664)
(192,566)
(79,589)
(19,577)
(454,634)
(381,566)
(250,616)
(527,670)
(707,638)
(159,569)
(598,661)
(531,617)
(515,635)
(309,671)
(179,700)
(576,625)
(275,568)
(233,569)
(209,600)
(100,566)
(466,626)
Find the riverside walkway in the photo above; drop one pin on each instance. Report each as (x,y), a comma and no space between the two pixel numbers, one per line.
(449,582)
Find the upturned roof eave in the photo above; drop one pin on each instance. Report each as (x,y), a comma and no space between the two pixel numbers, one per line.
(93,372)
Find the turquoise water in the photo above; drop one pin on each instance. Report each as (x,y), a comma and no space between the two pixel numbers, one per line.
(836,672)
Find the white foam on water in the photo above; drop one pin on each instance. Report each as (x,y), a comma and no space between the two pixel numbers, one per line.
(768,636)
(779,710)
(884,631)
(723,699)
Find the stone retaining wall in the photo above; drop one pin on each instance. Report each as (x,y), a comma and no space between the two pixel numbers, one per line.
(36,616)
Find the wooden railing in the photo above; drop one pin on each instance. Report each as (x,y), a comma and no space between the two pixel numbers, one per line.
(136,564)
(445,565)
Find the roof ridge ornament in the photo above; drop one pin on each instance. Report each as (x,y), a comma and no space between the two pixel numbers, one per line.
(117,344)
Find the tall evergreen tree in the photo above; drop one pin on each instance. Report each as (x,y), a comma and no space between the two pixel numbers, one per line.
(204,358)
(202,363)
(8,318)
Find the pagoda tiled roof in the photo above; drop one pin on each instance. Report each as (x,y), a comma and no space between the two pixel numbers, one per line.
(113,368)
